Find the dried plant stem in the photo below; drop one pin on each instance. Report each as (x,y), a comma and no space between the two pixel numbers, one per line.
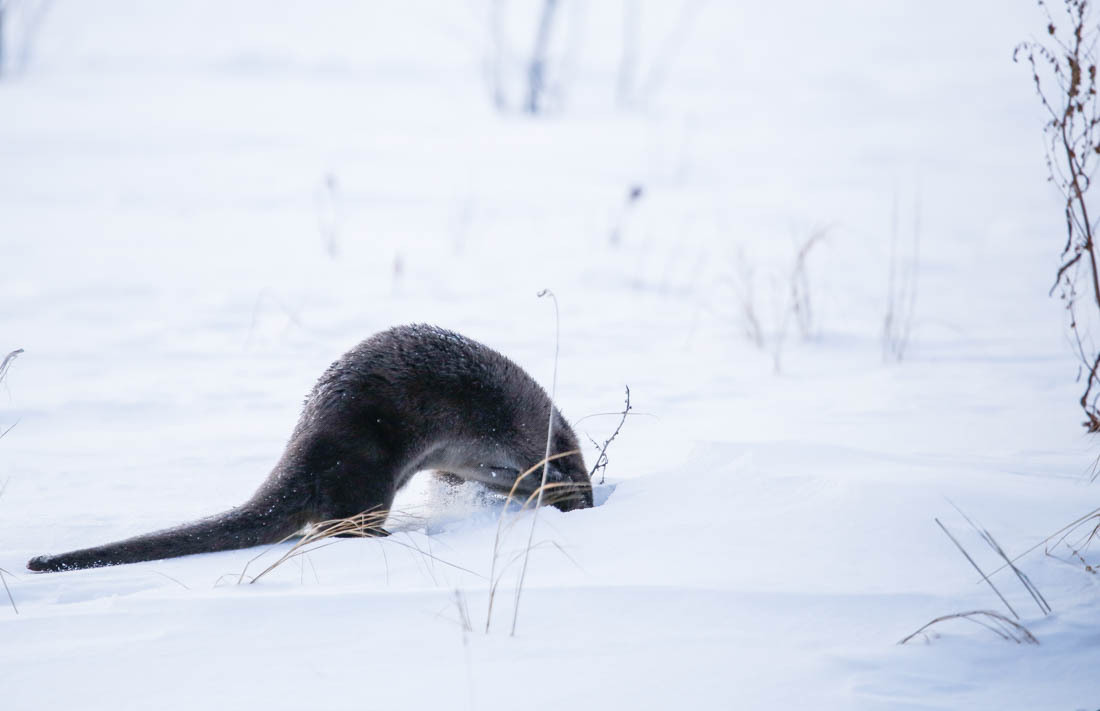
(545,458)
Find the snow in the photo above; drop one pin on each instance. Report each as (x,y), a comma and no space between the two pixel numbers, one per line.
(765,538)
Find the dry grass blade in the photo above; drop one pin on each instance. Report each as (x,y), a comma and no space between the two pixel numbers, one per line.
(984,576)
(546,456)
(463,614)
(6,363)
(169,577)
(8,590)
(1037,596)
(1064,531)
(995,622)
(9,429)
(1079,547)
(364,525)
(986,536)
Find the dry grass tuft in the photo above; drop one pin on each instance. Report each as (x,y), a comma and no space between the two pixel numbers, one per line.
(1076,541)
(367,524)
(537,496)
(986,536)
(1077,545)
(976,567)
(995,622)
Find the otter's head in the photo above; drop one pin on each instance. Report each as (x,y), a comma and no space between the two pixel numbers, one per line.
(568,484)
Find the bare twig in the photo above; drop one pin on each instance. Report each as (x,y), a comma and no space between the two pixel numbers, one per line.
(601,460)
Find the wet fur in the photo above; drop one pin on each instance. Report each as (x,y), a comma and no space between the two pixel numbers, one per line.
(409,399)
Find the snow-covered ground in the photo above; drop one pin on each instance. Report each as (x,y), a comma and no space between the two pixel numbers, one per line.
(202,204)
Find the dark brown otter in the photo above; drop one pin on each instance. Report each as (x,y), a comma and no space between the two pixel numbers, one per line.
(409,399)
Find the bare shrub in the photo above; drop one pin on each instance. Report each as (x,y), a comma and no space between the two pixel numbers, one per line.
(901,289)
(1063,69)
(632,87)
(532,75)
(503,63)
(536,66)
(744,291)
(791,298)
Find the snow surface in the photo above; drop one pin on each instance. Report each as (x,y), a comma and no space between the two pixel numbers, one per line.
(765,539)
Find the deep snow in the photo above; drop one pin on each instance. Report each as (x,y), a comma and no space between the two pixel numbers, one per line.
(769,536)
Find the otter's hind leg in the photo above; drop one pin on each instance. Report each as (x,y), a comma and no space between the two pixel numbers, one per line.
(351,483)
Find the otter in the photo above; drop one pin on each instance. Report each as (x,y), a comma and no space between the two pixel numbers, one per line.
(410,399)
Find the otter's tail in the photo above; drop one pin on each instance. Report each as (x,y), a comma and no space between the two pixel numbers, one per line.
(250,525)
